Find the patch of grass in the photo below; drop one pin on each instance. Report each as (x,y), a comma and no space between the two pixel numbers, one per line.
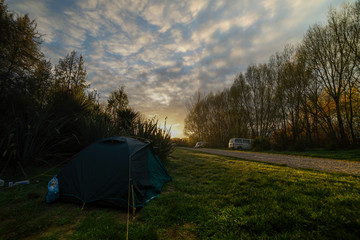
(98,225)
(210,197)
(348,154)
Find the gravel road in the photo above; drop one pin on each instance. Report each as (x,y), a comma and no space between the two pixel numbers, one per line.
(322,164)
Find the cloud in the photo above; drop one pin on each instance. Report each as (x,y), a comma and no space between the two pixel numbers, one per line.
(164,51)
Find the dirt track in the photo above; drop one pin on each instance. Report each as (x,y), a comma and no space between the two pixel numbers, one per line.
(322,164)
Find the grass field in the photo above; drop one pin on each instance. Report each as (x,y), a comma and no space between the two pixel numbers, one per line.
(210,197)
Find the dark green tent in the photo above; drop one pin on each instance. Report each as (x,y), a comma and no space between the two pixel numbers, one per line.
(108,170)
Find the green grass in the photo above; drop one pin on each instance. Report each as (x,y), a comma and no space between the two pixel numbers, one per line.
(210,197)
(340,154)
(349,155)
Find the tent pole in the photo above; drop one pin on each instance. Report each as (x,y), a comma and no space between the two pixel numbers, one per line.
(128,213)
(133,198)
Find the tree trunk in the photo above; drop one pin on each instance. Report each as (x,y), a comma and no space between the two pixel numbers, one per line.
(344,139)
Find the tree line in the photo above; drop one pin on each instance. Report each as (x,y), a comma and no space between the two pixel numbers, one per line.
(49,112)
(307,95)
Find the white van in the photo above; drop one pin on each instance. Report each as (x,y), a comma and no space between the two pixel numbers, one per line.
(199,145)
(240,143)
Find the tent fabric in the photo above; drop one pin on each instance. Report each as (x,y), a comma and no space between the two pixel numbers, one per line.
(100,173)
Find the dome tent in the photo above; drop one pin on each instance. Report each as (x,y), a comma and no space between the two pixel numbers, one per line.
(104,171)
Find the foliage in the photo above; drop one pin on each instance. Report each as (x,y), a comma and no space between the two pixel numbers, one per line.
(96,127)
(210,197)
(159,137)
(37,141)
(70,73)
(183,142)
(25,80)
(78,107)
(340,76)
(117,101)
(260,144)
(19,49)
(127,118)
(208,119)
(123,117)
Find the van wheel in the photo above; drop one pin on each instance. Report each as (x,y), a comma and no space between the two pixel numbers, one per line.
(239,148)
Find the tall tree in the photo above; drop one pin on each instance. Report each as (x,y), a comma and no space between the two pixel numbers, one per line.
(70,73)
(238,101)
(332,61)
(194,121)
(261,94)
(19,49)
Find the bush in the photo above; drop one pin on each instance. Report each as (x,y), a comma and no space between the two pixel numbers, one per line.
(159,137)
(183,142)
(299,146)
(280,142)
(279,147)
(260,144)
(331,145)
(32,142)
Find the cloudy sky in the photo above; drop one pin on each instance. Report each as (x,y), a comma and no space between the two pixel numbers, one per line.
(165,51)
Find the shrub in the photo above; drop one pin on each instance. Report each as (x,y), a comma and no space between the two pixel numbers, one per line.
(299,146)
(280,142)
(159,137)
(95,128)
(331,145)
(260,144)
(183,142)
(34,141)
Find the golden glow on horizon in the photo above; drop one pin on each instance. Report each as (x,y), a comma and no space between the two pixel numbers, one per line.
(176,130)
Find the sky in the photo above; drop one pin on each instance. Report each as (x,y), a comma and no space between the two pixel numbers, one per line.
(163,52)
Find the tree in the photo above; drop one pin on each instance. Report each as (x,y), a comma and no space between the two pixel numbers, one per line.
(19,49)
(239,109)
(260,106)
(26,132)
(121,114)
(291,91)
(41,82)
(118,100)
(195,119)
(70,73)
(331,52)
